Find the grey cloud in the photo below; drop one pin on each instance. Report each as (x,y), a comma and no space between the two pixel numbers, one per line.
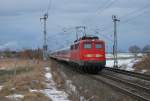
(21,17)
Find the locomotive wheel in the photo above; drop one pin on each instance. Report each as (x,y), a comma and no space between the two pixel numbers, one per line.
(78,68)
(85,69)
(100,68)
(94,70)
(82,68)
(89,69)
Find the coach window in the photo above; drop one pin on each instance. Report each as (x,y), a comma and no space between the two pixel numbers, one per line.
(87,45)
(98,46)
(76,46)
(71,47)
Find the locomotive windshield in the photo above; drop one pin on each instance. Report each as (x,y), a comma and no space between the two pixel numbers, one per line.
(87,45)
(98,46)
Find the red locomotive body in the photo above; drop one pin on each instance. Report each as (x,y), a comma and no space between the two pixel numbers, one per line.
(87,53)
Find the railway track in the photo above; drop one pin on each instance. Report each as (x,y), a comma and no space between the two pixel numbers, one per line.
(129,73)
(120,80)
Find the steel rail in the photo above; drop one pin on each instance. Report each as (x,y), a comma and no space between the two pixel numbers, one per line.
(134,85)
(121,89)
(129,73)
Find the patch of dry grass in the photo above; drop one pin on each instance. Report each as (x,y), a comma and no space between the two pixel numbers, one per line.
(143,65)
(6,90)
(32,96)
(57,75)
(10,63)
(29,75)
(4,99)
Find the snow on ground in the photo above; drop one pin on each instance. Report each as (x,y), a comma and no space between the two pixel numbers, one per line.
(48,76)
(52,92)
(2,68)
(72,88)
(35,90)
(126,64)
(1,87)
(123,55)
(120,55)
(143,71)
(15,96)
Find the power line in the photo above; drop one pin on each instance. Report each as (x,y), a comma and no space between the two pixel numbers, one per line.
(127,20)
(131,18)
(49,6)
(105,3)
(105,36)
(109,4)
(136,11)
(131,14)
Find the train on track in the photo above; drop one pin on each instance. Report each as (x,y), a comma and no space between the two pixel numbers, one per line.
(86,54)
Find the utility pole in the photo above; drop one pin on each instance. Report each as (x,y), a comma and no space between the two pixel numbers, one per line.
(45,36)
(115,46)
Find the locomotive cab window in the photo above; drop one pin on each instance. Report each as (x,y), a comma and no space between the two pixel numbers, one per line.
(87,45)
(98,46)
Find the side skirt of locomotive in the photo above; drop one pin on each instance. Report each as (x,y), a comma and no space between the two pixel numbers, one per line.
(82,66)
(88,67)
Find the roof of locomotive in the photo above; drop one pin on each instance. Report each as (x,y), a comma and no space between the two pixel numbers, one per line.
(88,38)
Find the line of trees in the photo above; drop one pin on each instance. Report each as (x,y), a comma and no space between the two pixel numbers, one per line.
(31,54)
(26,53)
(137,49)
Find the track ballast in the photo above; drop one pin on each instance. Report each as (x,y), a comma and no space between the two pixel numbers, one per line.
(126,82)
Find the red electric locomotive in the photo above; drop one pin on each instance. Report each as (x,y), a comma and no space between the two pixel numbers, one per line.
(87,53)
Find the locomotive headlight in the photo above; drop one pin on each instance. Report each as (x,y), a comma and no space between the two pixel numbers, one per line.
(88,55)
(98,55)
(93,55)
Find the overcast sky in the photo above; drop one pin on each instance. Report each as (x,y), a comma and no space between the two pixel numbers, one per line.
(20,25)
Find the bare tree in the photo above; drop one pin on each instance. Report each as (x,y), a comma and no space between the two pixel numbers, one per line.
(135,50)
(146,49)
